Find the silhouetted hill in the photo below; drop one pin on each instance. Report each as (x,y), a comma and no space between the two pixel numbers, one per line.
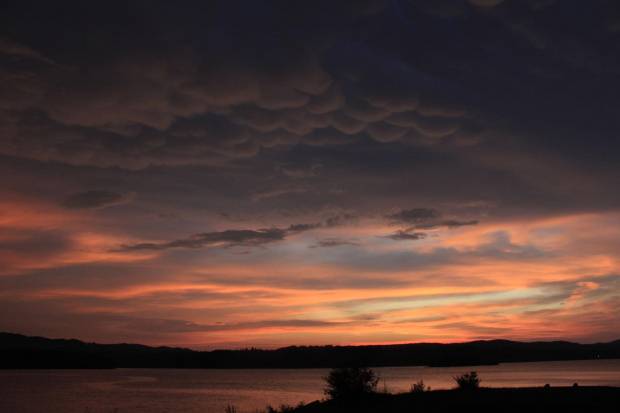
(18,351)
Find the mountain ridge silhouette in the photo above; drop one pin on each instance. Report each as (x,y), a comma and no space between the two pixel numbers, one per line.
(18,351)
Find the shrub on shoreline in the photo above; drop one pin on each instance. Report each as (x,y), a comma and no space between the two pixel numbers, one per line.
(467,381)
(419,387)
(348,382)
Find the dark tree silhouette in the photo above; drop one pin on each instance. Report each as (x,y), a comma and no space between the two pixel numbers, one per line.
(350,382)
(467,381)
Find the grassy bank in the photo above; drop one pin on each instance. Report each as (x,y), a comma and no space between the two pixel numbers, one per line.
(480,400)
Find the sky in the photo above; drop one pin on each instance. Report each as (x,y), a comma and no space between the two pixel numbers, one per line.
(266,173)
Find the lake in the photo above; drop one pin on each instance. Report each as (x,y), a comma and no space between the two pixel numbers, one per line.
(210,391)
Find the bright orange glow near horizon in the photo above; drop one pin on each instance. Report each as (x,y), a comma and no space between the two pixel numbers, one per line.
(488,288)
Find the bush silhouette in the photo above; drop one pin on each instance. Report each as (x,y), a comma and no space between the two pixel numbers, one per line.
(467,381)
(419,387)
(350,382)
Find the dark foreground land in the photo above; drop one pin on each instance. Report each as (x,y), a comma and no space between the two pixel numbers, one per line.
(481,400)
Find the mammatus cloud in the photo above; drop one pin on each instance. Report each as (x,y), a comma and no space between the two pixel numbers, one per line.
(95,199)
(226,239)
(181,96)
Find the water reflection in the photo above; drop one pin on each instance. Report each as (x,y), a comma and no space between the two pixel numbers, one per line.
(209,391)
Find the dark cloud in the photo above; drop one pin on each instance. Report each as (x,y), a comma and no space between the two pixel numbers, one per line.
(226,239)
(341,219)
(275,192)
(303,227)
(422,219)
(448,223)
(413,215)
(228,217)
(331,242)
(94,199)
(405,236)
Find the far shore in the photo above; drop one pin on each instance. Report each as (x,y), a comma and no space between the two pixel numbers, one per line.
(22,352)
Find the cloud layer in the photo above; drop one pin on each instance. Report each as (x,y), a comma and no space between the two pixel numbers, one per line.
(215,82)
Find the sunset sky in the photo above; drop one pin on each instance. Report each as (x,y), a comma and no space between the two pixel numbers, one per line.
(226,174)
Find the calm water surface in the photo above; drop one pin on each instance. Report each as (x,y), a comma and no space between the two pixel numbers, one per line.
(210,391)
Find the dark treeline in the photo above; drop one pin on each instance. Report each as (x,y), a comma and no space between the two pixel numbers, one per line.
(18,351)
